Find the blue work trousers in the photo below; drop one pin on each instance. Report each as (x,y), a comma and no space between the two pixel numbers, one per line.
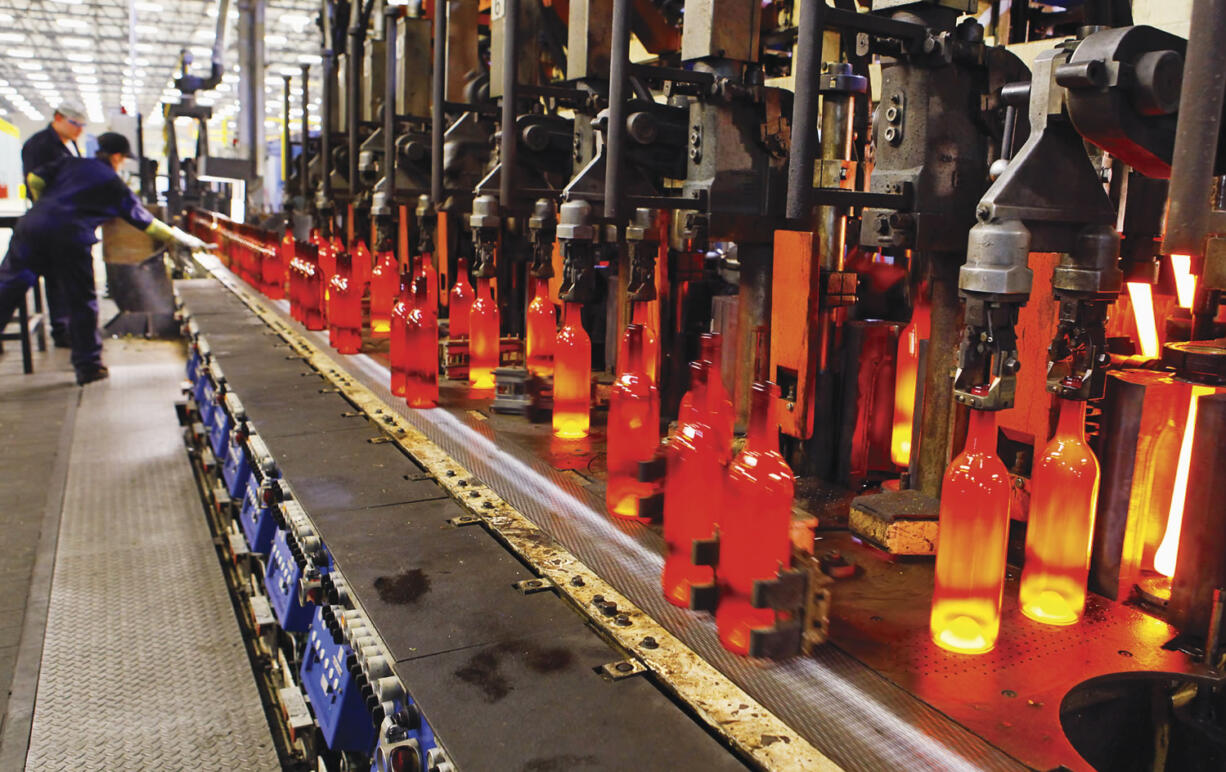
(34,252)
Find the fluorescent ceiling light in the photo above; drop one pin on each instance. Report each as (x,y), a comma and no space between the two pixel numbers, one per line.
(297,20)
(144,5)
(70,23)
(84,69)
(20,53)
(147,29)
(6,18)
(204,33)
(88,79)
(34,66)
(76,42)
(38,76)
(310,59)
(276,40)
(78,57)
(12,37)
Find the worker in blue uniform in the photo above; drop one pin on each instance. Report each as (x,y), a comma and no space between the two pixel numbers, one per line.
(73,196)
(58,140)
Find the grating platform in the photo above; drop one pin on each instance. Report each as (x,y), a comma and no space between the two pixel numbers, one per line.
(143,666)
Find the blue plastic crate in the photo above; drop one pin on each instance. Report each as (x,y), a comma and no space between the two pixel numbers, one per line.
(281,578)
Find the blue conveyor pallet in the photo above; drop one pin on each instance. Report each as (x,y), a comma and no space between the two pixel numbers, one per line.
(408,624)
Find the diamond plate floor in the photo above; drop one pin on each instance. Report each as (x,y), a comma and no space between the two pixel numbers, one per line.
(143,665)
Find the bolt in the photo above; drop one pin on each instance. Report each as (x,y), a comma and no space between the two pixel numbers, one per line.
(463,483)
(451,473)
(891,114)
(473,494)
(890,134)
(596,599)
(576,581)
(623,667)
(1008,693)
(622,620)
(486,504)
(650,643)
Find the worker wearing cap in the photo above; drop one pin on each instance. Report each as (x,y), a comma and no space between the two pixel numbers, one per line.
(40,149)
(72,197)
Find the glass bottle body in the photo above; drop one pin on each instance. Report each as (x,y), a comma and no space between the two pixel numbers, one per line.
(483,330)
(1061,523)
(633,431)
(693,493)
(344,309)
(640,314)
(572,377)
(718,407)
(275,265)
(399,353)
(384,286)
(754,529)
(972,536)
(460,302)
(422,343)
(905,382)
(313,311)
(361,266)
(542,328)
(295,289)
(431,276)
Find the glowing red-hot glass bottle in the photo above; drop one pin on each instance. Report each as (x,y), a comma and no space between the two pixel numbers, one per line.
(422,338)
(972,535)
(313,311)
(328,251)
(295,289)
(754,528)
(905,379)
(428,270)
(460,301)
(276,264)
(572,376)
(640,314)
(483,338)
(362,261)
(1061,522)
(693,487)
(633,432)
(399,354)
(384,284)
(722,417)
(344,309)
(542,328)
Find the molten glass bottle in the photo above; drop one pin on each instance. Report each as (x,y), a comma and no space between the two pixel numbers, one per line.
(361,266)
(634,427)
(344,309)
(905,382)
(1061,524)
(430,273)
(422,337)
(972,533)
(384,283)
(542,328)
(294,269)
(693,491)
(313,311)
(483,332)
(641,315)
(276,264)
(460,301)
(754,529)
(722,417)
(572,376)
(399,354)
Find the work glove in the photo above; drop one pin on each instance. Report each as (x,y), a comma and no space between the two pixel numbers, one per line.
(190,241)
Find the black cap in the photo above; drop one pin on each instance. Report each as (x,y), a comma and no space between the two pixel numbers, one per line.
(112,142)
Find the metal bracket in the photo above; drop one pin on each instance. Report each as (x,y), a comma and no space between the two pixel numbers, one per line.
(531,586)
(704,597)
(705,552)
(786,592)
(652,507)
(616,671)
(653,470)
(778,642)
(464,520)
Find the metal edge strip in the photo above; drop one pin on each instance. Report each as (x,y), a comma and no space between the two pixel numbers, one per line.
(724,706)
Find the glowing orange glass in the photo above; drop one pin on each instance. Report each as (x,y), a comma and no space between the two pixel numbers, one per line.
(400,335)
(421,334)
(384,284)
(973,533)
(634,426)
(1142,296)
(1166,558)
(344,309)
(431,276)
(641,314)
(693,492)
(460,301)
(275,265)
(542,328)
(1061,523)
(1185,280)
(905,381)
(572,376)
(483,329)
(362,260)
(754,530)
(718,413)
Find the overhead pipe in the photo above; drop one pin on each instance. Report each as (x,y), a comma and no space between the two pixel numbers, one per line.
(353,78)
(510,93)
(806,68)
(304,168)
(328,58)
(287,157)
(388,187)
(438,82)
(619,75)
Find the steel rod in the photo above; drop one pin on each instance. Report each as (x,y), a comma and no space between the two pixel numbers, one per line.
(510,93)
(438,102)
(619,73)
(804,144)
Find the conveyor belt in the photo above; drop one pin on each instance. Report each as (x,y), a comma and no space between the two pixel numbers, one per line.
(846,710)
(507,680)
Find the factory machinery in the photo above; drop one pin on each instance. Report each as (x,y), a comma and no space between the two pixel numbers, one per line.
(880,429)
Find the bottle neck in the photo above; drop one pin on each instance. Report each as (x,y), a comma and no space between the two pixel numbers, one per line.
(461,271)
(634,350)
(711,351)
(571,314)
(981,432)
(761,413)
(1072,420)
(483,287)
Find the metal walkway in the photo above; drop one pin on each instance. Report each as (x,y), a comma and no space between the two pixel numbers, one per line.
(142,665)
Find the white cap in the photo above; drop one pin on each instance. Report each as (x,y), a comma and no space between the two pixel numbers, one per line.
(71,110)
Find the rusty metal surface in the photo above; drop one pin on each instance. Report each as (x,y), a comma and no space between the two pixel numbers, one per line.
(1010,696)
(831,708)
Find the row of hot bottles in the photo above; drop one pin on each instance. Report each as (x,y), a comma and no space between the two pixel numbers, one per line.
(747,498)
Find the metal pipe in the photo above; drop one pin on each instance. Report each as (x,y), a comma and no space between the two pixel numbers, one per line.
(510,93)
(286,156)
(353,79)
(805,69)
(390,14)
(438,99)
(1196,139)
(619,73)
(946,329)
(304,164)
(328,58)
